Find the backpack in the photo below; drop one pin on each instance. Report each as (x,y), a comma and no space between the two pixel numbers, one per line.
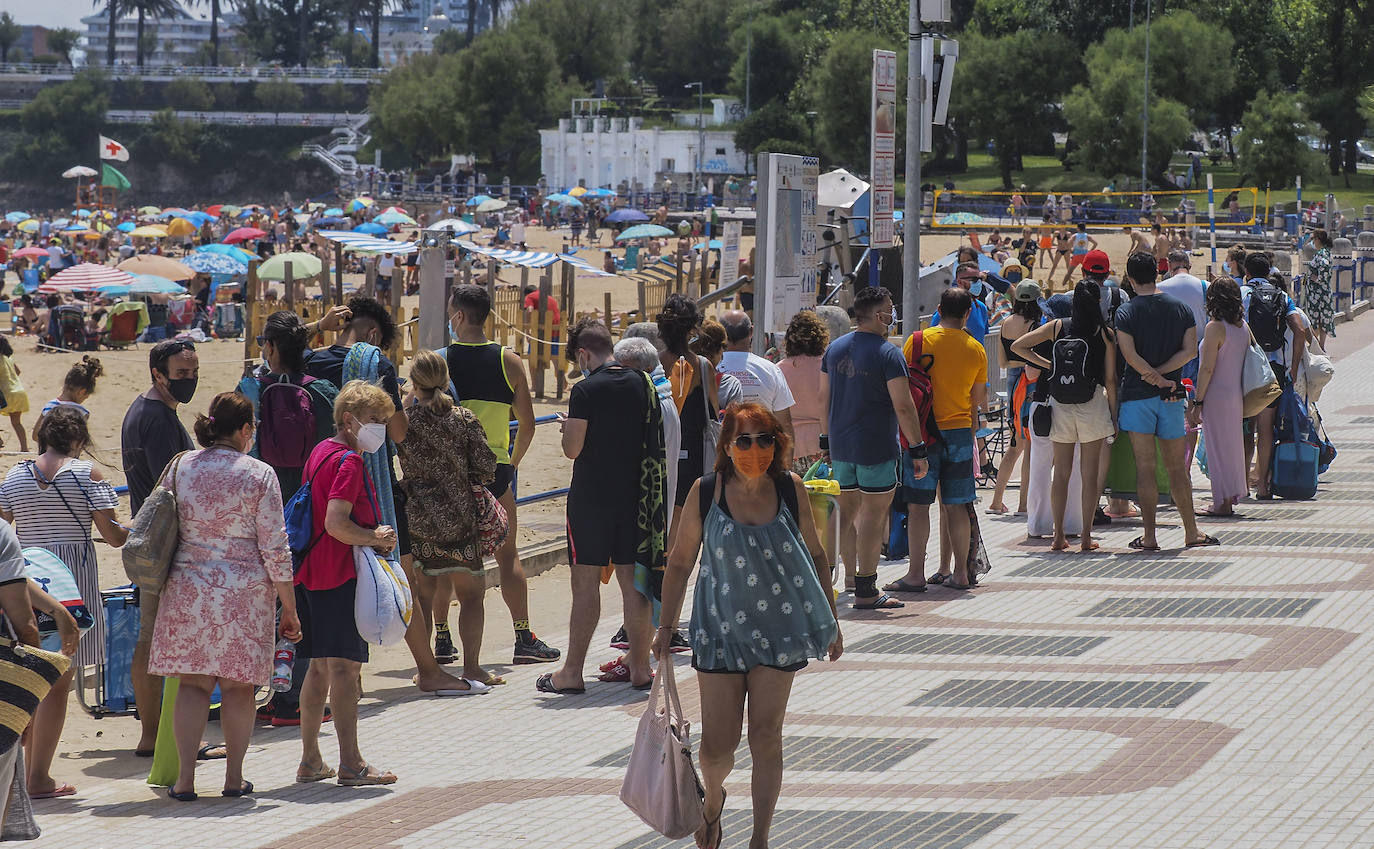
(293,418)
(300,518)
(922,390)
(1069,381)
(1267,315)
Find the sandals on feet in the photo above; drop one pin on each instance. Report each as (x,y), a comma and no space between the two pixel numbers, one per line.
(315,774)
(1207,539)
(901,586)
(882,602)
(243,790)
(713,825)
(1139,545)
(544,684)
(365,777)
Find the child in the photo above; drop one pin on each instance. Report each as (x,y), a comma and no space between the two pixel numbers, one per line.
(77,386)
(16,399)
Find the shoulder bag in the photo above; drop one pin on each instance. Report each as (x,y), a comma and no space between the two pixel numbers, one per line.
(154,534)
(661,784)
(27,674)
(711,432)
(1258,383)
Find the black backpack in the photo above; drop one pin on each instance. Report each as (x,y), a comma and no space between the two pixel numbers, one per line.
(1069,381)
(1267,315)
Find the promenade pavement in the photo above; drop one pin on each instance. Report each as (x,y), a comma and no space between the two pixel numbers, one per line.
(1202,698)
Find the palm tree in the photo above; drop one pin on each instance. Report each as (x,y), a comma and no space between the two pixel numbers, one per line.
(155,9)
(9,34)
(215,11)
(111,8)
(472,20)
(377,8)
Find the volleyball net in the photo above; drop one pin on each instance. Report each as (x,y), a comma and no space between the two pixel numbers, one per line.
(956,209)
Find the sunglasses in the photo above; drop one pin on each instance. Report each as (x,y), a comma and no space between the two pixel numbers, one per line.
(747,440)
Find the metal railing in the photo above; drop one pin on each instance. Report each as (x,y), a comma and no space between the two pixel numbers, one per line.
(222,72)
(238,119)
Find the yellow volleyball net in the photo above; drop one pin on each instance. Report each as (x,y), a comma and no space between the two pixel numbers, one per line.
(1106,210)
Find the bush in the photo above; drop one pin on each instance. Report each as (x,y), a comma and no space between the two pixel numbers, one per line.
(278,95)
(189,94)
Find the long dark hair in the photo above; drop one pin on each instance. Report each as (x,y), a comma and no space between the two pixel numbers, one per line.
(286,333)
(1029,310)
(1085,316)
(1223,300)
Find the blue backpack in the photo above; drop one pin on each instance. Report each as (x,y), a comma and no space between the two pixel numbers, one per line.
(300,519)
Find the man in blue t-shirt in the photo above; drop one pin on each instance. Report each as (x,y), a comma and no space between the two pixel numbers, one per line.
(1284,361)
(866,395)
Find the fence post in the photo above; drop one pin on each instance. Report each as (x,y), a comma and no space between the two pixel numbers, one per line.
(338,276)
(608,316)
(541,347)
(250,334)
(289,281)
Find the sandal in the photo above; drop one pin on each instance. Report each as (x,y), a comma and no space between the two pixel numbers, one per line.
(188,796)
(243,790)
(365,777)
(1139,545)
(59,791)
(901,586)
(937,578)
(714,824)
(204,752)
(882,602)
(1207,539)
(315,774)
(544,684)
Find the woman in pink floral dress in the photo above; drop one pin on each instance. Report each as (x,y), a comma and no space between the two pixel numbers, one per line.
(215,620)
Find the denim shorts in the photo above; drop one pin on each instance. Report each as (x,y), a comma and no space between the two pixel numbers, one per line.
(878,477)
(951,468)
(1154,416)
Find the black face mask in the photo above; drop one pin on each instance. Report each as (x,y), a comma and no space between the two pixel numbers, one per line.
(183,389)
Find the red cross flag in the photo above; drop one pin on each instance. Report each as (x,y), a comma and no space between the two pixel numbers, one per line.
(111,149)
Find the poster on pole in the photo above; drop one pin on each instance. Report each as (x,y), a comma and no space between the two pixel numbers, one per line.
(729,252)
(787,243)
(882,149)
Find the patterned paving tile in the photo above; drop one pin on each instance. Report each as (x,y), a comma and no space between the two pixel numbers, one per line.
(1348,476)
(862,829)
(1151,607)
(1122,567)
(995,693)
(1346,495)
(1299,539)
(829,754)
(1358,446)
(1011,645)
(1362,420)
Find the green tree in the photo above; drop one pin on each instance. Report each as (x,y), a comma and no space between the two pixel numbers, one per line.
(1105,122)
(375,10)
(294,32)
(840,87)
(414,110)
(769,58)
(1335,35)
(278,95)
(693,45)
(1084,22)
(589,35)
(9,34)
(1006,90)
(450,41)
(773,122)
(155,9)
(1271,145)
(190,94)
(61,124)
(215,13)
(337,95)
(111,16)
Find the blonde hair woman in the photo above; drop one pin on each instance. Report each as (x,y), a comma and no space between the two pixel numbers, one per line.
(444,458)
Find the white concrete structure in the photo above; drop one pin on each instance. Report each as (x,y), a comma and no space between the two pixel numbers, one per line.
(184,34)
(605,151)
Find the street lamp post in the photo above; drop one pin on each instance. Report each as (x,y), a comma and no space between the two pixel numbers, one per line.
(701,138)
(811,124)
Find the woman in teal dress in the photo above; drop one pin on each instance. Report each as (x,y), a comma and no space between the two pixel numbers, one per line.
(760,609)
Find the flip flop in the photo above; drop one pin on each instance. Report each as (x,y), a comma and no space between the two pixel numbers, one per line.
(882,602)
(937,578)
(244,790)
(901,586)
(544,684)
(960,587)
(475,688)
(360,778)
(143,753)
(203,753)
(647,685)
(1139,545)
(59,791)
(1207,539)
(188,796)
(1208,514)
(318,775)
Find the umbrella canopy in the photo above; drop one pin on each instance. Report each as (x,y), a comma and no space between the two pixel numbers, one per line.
(389,218)
(962,218)
(214,210)
(643,231)
(476,200)
(29,226)
(563,200)
(334,211)
(79,171)
(113,290)
(61,222)
(243,234)
(230,209)
(81,213)
(126,226)
(713,245)
(215,263)
(175,210)
(228,250)
(358,204)
(399,209)
(302,265)
(85,277)
(162,266)
(456,226)
(310,207)
(371,229)
(200,219)
(181,227)
(31,252)
(75,228)
(493,205)
(625,216)
(577,191)
(334,221)
(152,284)
(16,217)
(149,210)
(149,231)
(598,193)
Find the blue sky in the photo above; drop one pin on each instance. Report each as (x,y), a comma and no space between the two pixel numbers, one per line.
(49,13)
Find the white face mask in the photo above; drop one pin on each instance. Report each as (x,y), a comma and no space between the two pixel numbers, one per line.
(371,437)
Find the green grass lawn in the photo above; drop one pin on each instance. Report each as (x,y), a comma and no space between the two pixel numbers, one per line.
(1046,173)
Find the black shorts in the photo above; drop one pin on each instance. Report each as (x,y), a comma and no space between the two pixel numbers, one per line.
(398,498)
(505,476)
(328,626)
(600,536)
(791,667)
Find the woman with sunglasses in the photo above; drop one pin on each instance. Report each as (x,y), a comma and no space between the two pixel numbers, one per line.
(759,609)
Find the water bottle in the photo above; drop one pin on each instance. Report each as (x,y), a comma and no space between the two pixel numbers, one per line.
(282,661)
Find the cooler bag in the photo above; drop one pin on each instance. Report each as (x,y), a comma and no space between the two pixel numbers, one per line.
(1293,474)
(1121,471)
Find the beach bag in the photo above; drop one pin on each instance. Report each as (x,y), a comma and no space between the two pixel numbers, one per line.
(1297,456)
(26,676)
(1267,315)
(1121,472)
(492,522)
(1258,382)
(922,390)
(300,519)
(382,605)
(710,435)
(154,534)
(1315,372)
(1326,451)
(55,577)
(661,784)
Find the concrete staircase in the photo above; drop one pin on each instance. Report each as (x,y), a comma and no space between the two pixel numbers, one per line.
(340,155)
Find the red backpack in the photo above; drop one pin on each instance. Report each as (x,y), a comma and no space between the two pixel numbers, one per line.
(922,390)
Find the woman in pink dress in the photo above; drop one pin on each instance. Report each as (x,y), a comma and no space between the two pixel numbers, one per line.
(1219,402)
(803,345)
(215,620)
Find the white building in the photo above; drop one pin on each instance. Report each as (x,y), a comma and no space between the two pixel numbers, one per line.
(176,41)
(616,152)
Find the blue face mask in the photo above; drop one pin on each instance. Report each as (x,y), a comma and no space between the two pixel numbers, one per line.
(1013,277)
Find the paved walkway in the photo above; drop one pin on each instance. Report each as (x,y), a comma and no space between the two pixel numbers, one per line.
(1176,699)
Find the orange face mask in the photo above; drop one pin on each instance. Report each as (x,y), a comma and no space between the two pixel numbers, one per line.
(753,462)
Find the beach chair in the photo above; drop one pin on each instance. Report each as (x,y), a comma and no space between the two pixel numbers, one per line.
(71,327)
(123,325)
(228,320)
(107,689)
(631,258)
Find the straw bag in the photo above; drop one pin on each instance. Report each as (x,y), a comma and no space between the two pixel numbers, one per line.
(661,784)
(26,676)
(154,534)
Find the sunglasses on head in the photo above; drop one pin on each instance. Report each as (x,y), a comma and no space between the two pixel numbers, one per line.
(747,440)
